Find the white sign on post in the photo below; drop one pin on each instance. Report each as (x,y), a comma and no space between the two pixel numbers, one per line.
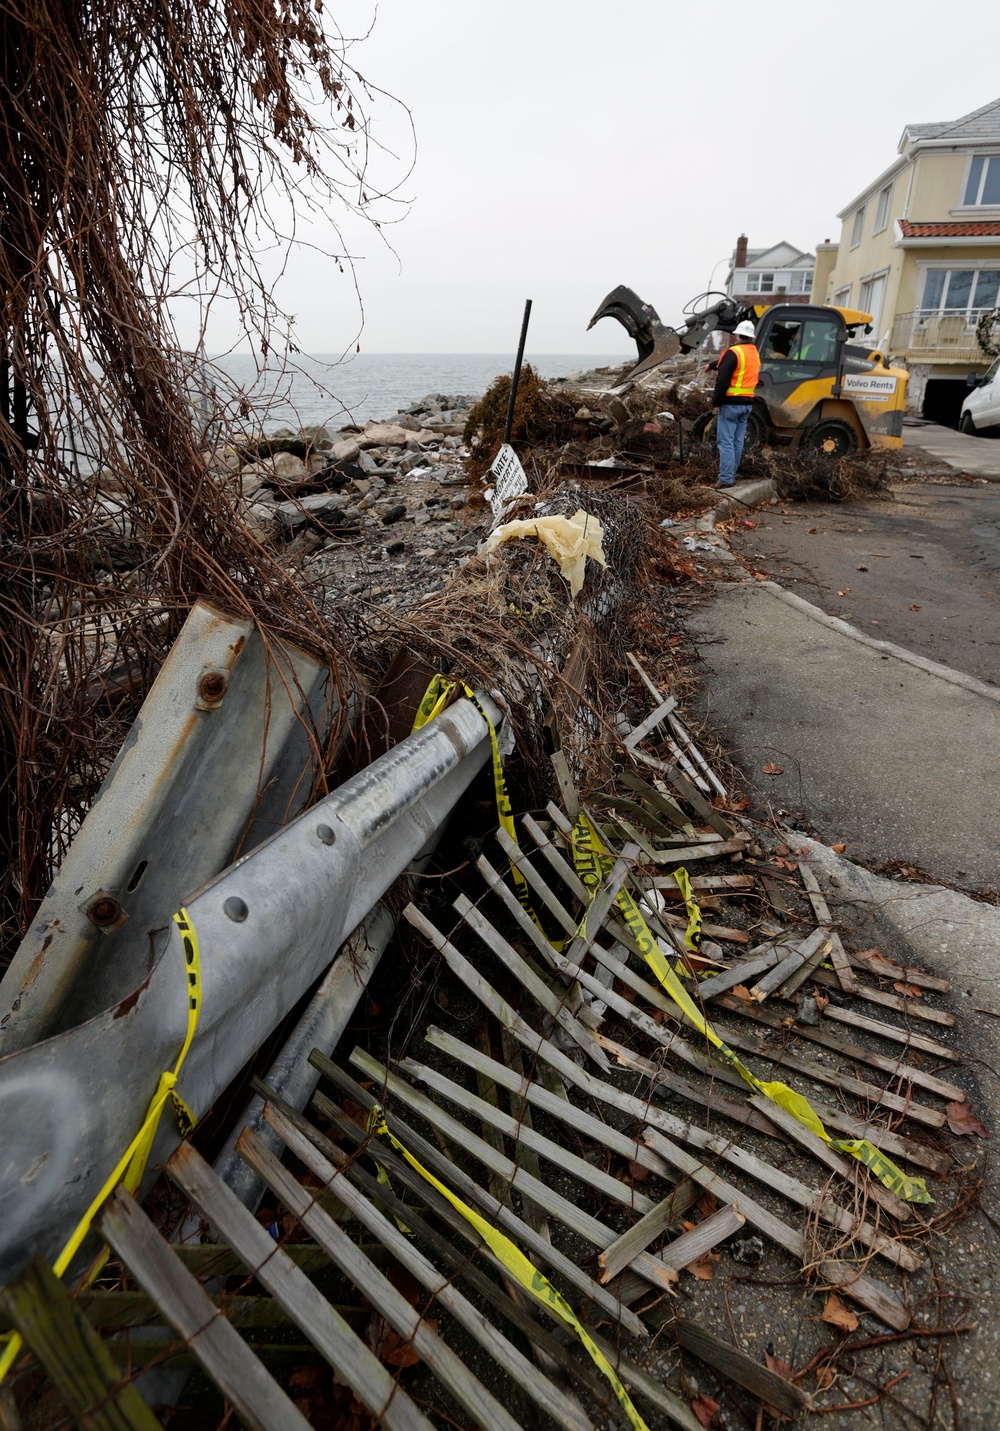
(509,480)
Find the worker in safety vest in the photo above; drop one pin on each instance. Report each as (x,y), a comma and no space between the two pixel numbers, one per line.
(737,372)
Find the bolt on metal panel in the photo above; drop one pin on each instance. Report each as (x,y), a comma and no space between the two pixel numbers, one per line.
(70,1105)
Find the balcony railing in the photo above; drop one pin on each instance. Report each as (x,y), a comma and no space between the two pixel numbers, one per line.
(938,337)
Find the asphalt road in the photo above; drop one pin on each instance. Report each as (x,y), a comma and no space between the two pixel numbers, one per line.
(921,569)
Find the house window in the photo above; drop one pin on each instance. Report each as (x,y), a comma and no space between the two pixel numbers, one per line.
(960,291)
(983,183)
(802,281)
(842,297)
(882,212)
(760,283)
(859,223)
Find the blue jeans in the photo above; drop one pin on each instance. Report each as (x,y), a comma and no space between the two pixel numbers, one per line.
(731,429)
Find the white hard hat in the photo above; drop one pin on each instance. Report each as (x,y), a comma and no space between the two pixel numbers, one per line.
(744,329)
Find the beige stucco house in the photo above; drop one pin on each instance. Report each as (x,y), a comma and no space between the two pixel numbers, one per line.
(920,251)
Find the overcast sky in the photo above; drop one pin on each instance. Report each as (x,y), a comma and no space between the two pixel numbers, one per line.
(563,148)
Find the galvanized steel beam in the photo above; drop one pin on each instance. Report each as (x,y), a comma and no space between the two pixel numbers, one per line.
(267,927)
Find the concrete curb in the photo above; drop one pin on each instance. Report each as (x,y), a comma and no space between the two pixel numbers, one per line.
(885,648)
(744,495)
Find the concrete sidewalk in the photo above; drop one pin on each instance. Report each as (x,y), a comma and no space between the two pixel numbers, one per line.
(878,747)
(975,456)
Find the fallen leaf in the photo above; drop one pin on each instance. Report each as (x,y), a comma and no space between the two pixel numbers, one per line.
(704,1267)
(872,953)
(838,849)
(915,608)
(771,769)
(838,1315)
(821,999)
(845,591)
(707,1204)
(782,850)
(961,1119)
(775,1364)
(737,805)
(704,1408)
(861,568)
(742,992)
(813,531)
(825,1377)
(908,991)
(638,1172)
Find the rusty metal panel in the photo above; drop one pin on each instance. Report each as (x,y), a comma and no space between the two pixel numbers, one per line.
(70,1105)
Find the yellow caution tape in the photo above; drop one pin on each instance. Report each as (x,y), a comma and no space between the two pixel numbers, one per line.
(433,703)
(132,1163)
(519,1267)
(692,935)
(593,863)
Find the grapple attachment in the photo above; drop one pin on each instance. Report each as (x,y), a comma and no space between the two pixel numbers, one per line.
(655,342)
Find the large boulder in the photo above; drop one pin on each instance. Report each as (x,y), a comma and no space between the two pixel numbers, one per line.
(288,467)
(384,434)
(323,507)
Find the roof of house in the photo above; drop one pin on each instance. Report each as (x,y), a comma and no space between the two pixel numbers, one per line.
(779,255)
(978,228)
(982,124)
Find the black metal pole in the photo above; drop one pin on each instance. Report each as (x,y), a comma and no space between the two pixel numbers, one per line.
(509,424)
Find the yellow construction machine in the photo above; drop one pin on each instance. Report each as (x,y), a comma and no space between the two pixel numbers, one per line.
(821,387)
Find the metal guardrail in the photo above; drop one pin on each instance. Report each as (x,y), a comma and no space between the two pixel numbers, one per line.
(268,927)
(938,337)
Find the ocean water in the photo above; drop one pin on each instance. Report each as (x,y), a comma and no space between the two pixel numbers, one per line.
(319,389)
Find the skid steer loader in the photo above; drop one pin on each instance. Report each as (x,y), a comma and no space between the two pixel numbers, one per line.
(821,388)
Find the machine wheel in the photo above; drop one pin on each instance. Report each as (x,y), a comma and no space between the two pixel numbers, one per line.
(701,425)
(757,431)
(832,438)
(967,425)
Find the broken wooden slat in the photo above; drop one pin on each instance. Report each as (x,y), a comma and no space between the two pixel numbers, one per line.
(712,931)
(564,780)
(892,1204)
(688,853)
(655,717)
(687,791)
(76,1361)
(223,1354)
(739,973)
(389,1303)
(693,753)
(911,1007)
(774,1390)
(790,964)
(682,1250)
(893,1034)
(472,1192)
(809,966)
(659,801)
(821,909)
(888,969)
(308,1309)
(848,1048)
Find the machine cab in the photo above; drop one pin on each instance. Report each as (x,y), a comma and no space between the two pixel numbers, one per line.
(799,347)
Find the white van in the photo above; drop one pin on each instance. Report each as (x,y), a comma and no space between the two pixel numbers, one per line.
(981,409)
